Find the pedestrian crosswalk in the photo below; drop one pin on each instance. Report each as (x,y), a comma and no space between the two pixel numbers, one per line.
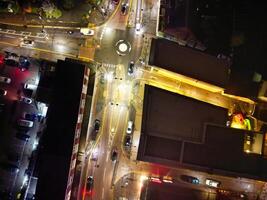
(23,33)
(108,65)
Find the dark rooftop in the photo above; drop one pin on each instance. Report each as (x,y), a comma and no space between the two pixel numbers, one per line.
(178,117)
(173,57)
(193,133)
(58,138)
(155,191)
(223,150)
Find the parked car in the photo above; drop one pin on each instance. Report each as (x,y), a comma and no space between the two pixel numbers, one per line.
(114,155)
(25,123)
(189,179)
(25,100)
(131,68)
(129,127)
(11,62)
(23,136)
(26,43)
(128,141)
(11,59)
(9,167)
(2,107)
(2,92)
(29,86)
(87,31)
(5,79)
(212,183)
(30,116)
(13,158)
(90,183)
(11,55)
(97,125)
(24,63)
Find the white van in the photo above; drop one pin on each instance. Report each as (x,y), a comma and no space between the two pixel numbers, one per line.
(129,127)
(25,123)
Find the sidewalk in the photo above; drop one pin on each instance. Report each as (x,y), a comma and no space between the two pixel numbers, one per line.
(72,18)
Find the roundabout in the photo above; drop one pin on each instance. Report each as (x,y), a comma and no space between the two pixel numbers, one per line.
(123,47)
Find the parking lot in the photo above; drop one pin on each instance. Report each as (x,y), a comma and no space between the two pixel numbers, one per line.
(21,120)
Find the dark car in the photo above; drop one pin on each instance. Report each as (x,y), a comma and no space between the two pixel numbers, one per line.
(24,63)
(5,194)
(131,68)
(124,8)
(10,55)
(114,155)
(128,141)
(29,42)
(90,183)
(97,125)
(70,32)
(2,107)
(189,179)
(13,158)
(2,92)
(31,117)
(9,167)
(22,135)
(11,62)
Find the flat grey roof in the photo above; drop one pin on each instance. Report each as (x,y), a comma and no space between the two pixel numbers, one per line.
(181,131)
(182,60)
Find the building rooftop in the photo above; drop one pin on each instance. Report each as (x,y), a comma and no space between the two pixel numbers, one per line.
(178,117)
(223,149)
(191,63)
(58,137)
(178,130)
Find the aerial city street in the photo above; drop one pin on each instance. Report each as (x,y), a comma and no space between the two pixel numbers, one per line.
(133,100)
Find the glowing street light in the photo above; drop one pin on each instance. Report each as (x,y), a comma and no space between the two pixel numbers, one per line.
(143,178)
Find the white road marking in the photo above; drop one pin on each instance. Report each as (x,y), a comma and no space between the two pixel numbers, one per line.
(107,157)
(104,174)
(40,41)
(9,36)
(26,33)
(11,31)
(103,193)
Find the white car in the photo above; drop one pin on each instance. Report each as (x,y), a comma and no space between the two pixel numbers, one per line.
(5,79)
(87,31)
(26,43)
(26,100)
(129,127)
(29,86)
(25,123)
(138,27)
(212,183)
